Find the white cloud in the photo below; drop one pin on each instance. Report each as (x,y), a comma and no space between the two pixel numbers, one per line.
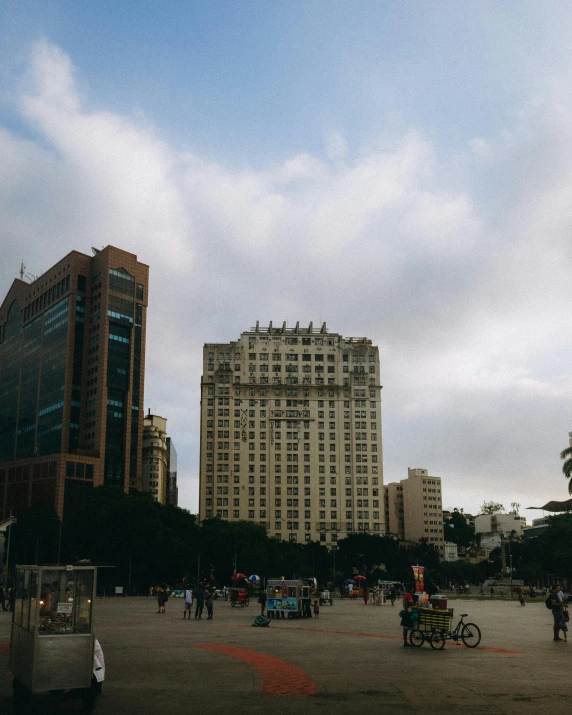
(336,146)
(466,290)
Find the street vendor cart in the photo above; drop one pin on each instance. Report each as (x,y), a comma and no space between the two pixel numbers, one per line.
(434,626)
(52,644)
(287,599)
(239,597)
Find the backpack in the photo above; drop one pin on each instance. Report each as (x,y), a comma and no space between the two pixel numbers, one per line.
(548,602)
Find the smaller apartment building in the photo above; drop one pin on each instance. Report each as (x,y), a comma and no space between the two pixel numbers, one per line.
(414,508)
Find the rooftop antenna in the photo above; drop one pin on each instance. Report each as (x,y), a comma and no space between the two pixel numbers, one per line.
(22,270)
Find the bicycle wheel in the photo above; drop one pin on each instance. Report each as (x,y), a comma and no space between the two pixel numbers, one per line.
(471,635)
(437,641)
(417,638)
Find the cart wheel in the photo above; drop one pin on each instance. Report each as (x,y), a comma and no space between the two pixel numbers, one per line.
(290,616)
(417,638)
(233,603)
(471,635)
(22,696)
(437,641)
(88,700)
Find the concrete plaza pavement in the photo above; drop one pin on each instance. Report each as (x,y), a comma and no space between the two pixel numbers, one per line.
(349,660)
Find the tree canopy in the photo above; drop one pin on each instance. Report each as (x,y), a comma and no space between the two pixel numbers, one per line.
(566,455)
(492,507)
(146,543)
(457,530)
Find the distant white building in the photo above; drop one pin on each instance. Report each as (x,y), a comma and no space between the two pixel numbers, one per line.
(450,552)
(494,527)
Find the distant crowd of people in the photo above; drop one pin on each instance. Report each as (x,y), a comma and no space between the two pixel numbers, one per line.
(198,595)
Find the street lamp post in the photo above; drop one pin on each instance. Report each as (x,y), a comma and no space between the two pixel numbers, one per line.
(60,522)
(334,549)
(9,540)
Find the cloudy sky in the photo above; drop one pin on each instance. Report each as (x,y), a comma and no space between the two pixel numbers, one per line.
(401,170)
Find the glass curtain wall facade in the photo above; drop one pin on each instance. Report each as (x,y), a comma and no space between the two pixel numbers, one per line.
(71,380)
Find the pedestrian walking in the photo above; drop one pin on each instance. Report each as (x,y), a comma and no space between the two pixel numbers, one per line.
(199,594)
(209,598)
(564,619)
(161,599)
(188,603)
(556,608)
(316,608)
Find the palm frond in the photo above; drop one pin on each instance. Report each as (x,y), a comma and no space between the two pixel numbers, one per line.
(566,453)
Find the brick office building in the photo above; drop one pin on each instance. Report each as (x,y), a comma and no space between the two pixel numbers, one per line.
(72,360)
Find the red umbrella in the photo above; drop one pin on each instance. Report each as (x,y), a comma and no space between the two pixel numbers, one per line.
(237,576)
(359,578)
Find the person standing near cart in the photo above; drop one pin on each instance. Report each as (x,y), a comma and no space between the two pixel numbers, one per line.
(406,621)
(262,598)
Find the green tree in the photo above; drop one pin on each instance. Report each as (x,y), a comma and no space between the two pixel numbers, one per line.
(492,507)
(457,530)
(566,455)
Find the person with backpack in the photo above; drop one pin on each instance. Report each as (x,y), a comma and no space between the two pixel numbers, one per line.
(554,603)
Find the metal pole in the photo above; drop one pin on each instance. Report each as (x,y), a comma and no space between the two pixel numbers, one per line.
(60,542)
(313,563)
(9,539)
(334,579)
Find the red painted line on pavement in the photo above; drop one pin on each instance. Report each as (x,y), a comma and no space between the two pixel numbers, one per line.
(278,676)
(385,636)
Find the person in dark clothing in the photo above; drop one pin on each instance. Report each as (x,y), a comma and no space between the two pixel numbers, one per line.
(262,599)
(406,622)
(199,601)
(556,612)
(209,597)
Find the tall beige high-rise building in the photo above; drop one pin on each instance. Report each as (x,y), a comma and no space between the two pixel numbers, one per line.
(414,508)
(291,433)
(155,457)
